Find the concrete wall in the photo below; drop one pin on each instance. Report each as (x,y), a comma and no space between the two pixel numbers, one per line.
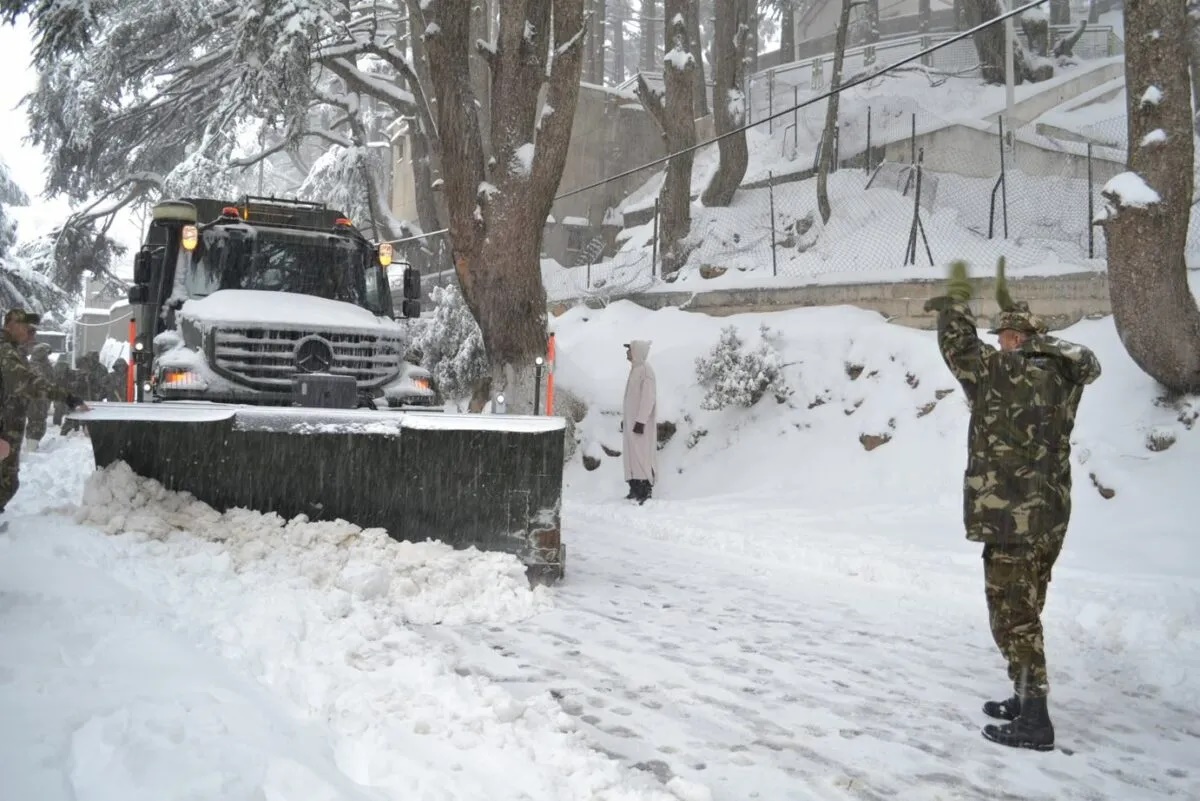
(946,149)
(1061,300)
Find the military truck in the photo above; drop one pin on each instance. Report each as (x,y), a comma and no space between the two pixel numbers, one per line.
(270,374)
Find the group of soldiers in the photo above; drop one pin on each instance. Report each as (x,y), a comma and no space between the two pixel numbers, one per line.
(88,380)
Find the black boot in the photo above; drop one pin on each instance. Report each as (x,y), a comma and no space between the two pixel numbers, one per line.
(1008,709)
(1032,728)
(647,488)
(632,490)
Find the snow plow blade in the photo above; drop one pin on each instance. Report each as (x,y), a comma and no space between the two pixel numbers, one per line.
(492,482)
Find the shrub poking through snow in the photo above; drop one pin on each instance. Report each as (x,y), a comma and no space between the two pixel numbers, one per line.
(452,345)
(733,375)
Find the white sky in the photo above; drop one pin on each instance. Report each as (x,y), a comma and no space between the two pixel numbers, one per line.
(24,161)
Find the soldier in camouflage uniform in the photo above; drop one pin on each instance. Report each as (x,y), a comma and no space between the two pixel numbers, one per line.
(21,385)
(64,376)
(1017,489)
(39,408)
(118,381)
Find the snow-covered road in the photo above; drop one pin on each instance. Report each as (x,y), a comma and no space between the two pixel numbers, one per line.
(768,678)
(729,648)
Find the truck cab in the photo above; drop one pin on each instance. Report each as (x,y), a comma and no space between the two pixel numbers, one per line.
(239,302)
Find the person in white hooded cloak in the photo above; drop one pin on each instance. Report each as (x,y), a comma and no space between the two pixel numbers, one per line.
(640,430)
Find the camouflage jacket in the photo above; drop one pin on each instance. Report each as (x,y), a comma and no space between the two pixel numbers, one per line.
(21,384)
(1017,487)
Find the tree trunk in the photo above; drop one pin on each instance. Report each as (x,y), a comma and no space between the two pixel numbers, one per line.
(431,204)
(1193,40)
(497,208)
(989,43)
(831,114)
(871,31)
(962,13)
(700,92)
(1155,312)
(787,32)
(752,42)
(481,79)
(616,22)
(598,49)
(1094,12)
(1037,32)
(1060,12)
(649,26)
(729,104)
(677,119)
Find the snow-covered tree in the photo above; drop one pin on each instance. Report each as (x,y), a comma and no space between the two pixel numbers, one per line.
(674,111)
(733,375)
(729,104)
(1148,208)
(25,281)
(497,203)
(136,100)
(451,346)
(10,195)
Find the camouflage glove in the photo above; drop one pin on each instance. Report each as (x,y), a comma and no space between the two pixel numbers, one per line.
(958,288)
(1003,299)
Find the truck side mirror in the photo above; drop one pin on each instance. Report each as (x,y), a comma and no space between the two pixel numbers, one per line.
(412,284)
(141,267)
(139,295)
(411,309)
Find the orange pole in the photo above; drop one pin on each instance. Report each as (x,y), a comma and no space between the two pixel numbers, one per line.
(130,372)
(550,378)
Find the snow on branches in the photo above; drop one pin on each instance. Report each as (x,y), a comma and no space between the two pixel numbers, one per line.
(451,345)
(733,375)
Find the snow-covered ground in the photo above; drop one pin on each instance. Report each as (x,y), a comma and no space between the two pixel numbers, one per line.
(792,616)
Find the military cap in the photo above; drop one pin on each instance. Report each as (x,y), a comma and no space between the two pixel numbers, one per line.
(1017,320)
(22,316)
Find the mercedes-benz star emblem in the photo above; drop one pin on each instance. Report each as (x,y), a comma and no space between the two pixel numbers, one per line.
(314,356)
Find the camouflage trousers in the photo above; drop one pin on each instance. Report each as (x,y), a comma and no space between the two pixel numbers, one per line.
(36,414)
(60,411)
(1016,578)
(10,470)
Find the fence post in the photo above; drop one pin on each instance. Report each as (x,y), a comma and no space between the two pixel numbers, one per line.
(771,193)
(749,99)
(771,101)
(1003,181)
(914,137)
(795,114)
(654,245)
(868,140)
(1091,206)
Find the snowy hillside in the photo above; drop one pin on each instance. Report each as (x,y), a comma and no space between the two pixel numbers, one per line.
(793,616)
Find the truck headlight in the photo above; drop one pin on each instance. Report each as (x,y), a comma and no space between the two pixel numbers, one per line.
(179,378)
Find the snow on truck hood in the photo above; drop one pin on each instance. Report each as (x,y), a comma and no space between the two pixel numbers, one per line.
(280,309)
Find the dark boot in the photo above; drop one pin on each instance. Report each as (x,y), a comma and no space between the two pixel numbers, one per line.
(632,490)
(644,491)
(1032,728)
(1008,709)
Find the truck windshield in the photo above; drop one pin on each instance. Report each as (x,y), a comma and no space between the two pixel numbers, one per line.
(275,260)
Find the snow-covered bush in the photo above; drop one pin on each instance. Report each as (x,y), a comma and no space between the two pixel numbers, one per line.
(736,376)
(451,345)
